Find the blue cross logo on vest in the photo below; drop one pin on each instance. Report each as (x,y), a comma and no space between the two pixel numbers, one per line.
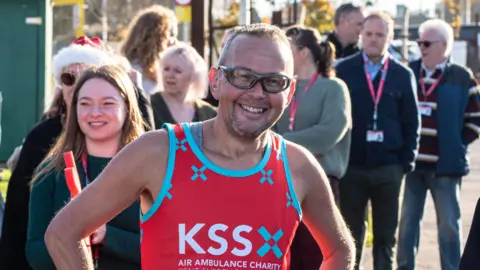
(198,173)
(266,177)
(181,145)
(267,247)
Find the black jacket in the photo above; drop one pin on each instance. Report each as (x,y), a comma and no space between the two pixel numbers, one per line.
(398,115)
(145,109)
(341,52)
(15,221)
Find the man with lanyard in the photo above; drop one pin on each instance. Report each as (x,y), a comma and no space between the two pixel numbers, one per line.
(225,193)
(450,108)
(384,138)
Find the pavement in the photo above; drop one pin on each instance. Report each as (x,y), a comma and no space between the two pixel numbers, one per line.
(428,255)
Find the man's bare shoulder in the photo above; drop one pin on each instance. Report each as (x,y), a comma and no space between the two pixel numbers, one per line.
(150,148)
(145,160)
(153,141)
(305,170)
(299,158)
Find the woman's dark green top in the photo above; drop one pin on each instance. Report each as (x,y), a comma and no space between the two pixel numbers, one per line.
(121,249)
(162,115)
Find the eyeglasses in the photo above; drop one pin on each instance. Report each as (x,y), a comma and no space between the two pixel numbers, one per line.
(425,43)
(68,79)
(245,79)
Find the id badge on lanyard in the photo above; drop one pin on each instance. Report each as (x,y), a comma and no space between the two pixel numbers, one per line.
(426,110)
(375,134)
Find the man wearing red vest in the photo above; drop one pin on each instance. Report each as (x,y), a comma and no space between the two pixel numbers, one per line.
(227,193)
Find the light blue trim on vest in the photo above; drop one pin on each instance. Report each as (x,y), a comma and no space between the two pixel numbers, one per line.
(296,204)
(168,174)
(231,173)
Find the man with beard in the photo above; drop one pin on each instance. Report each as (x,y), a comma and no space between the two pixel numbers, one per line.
(226,193)
(385,135)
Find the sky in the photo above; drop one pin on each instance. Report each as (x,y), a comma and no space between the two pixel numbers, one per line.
(388,5)
(413,5)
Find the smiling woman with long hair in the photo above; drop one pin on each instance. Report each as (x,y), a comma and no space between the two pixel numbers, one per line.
(104,117)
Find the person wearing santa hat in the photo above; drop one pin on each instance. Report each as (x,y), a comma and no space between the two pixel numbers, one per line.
(68,64)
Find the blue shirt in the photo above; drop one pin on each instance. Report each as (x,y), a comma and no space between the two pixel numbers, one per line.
(373,68)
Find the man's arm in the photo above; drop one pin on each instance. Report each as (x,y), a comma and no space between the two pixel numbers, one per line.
(410,121)
(136,170)
(332,125)
(471,129)
(320,213)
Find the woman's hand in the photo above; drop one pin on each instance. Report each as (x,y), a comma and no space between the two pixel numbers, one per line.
(98,237)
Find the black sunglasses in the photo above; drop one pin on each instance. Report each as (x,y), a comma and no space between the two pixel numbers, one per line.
(245,79)
(68,79)
(425,43)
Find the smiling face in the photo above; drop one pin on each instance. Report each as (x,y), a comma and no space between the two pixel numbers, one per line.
(248,113)
(101,111)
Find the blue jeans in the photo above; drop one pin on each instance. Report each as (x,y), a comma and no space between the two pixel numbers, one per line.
(446,197)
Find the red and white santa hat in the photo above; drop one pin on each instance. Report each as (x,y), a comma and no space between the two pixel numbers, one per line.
(83,50)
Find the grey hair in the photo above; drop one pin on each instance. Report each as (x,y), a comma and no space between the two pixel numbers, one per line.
(442,28)
(269,31)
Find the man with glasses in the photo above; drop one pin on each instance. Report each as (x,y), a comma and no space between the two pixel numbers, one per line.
(385,134)
(448,97)
(225,193)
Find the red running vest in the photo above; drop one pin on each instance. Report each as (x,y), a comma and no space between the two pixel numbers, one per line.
(210,218)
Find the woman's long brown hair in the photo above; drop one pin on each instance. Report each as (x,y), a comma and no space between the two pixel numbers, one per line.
(147,37)
(73,139)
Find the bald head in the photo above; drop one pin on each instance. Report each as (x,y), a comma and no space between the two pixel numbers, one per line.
(261,32)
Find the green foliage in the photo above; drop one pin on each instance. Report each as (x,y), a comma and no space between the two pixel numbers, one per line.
(319,15)
(231,19)
(454,8)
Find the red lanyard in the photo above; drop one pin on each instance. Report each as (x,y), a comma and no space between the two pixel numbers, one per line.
(295,104)
(85,167)
(430,90)
(95,248)
(376,98)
